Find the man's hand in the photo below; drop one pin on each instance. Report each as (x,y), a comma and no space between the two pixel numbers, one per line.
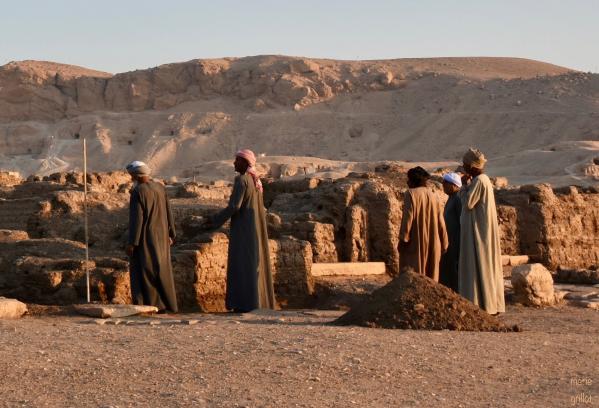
(129,249)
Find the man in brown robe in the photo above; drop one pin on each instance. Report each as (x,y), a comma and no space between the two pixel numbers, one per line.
(249,277)
(151,233)
(422,236)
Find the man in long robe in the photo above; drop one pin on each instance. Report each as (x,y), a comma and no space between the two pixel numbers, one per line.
(151,233)
(422,236)
(249,277)
(452,184)
(480,271)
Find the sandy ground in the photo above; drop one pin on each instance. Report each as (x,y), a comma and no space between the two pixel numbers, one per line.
(297,359)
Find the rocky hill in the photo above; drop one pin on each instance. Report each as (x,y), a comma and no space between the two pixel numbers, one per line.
(537,121)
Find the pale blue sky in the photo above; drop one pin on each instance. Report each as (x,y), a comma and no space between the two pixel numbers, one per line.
(117,36)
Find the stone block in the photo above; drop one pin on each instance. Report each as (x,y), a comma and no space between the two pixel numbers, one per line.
(533,285)
(348,269)
(516,260)
(11,308)
(106,311)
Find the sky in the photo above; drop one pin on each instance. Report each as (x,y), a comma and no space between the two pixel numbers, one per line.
(118,36)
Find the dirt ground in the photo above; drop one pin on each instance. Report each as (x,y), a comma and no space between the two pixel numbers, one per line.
(276,359)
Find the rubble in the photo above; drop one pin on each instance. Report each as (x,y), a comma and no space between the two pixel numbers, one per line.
(577,275)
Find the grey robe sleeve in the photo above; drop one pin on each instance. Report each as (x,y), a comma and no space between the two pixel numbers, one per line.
(235,202)
(457,208)
(136,218)
(171,221)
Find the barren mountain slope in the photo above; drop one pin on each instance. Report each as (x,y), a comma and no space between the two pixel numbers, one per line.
(178,116)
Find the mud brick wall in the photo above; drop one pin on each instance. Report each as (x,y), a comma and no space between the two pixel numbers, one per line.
(382,223)
(15,214)
(52,271)
(291,263)
(361,214)
(320,235)
(507,217)
(200,272)
(555,227)
(356,247)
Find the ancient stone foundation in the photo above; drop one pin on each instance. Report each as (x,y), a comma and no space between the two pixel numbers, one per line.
(352,219)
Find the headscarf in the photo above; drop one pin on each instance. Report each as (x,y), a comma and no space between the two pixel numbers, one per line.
(250,157)
(475,158)
(453,178)
(138,168)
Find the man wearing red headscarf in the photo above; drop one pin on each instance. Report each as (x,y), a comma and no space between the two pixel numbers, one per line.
(249,277)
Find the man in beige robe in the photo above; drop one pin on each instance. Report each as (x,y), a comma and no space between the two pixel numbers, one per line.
(480,275)
(422,237)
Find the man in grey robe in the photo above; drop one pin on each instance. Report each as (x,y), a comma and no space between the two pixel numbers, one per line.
(249,277)
(151,234)
(480,270)
(452,184)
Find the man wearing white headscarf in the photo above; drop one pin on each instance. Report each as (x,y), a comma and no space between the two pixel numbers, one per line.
(448,276)
(151,233)
(480,271)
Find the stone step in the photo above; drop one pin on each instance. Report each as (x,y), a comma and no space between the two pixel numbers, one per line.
(348,269)
(113,310)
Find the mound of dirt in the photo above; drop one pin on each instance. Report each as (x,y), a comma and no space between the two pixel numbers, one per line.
(413,301)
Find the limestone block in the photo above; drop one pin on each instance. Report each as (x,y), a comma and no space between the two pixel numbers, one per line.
(11,308)
(515,260)
(106,311)
(533,285)
(348,269)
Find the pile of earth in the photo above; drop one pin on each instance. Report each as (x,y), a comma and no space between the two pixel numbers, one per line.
(413,301)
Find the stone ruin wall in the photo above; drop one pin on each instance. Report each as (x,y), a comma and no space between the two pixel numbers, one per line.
(557,227)
(40,265)
(354,219)
(361,215)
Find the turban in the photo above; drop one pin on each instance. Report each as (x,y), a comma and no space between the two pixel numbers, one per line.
(475,158)
(250,157)
(138,168)
(453,178)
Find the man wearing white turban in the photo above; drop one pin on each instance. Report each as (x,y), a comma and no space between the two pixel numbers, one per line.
(480,271)
(453,208)
(151,233)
